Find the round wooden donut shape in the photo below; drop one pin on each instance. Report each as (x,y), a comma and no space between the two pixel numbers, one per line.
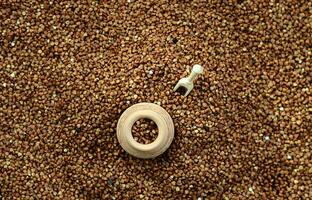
(150,111)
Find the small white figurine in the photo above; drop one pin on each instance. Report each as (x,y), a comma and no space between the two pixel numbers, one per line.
(187,82)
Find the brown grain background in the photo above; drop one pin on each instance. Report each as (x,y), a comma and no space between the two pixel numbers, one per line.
(68,69)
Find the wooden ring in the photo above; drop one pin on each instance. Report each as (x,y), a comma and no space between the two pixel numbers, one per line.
(150,111)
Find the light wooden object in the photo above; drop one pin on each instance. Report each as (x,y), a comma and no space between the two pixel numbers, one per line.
(187,82)
(153,112)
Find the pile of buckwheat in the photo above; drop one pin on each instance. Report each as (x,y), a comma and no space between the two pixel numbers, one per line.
(68,70)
